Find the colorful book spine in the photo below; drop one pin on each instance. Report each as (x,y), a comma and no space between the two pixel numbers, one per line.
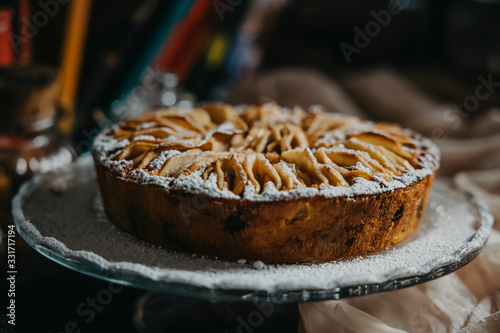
(187,40)
(72,59)
(6,50)
(112,50)
(157,39)
(25,54)
(209,69)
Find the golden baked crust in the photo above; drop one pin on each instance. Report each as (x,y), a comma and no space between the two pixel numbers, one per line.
(263,183)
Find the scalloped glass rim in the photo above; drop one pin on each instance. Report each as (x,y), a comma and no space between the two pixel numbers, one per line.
(395,279)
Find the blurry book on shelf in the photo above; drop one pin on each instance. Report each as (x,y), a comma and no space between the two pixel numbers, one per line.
(208,67)
(122,45)
(6,51)
(25,51)
(111,44)
(133,55)
(245,52)
(110,49)
(234,48)
(189,37)
(72,52)
(156,39)
(36,30)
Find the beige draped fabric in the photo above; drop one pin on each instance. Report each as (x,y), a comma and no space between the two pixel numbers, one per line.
(465,301)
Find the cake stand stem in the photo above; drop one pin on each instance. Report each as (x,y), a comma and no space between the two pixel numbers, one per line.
(158,312)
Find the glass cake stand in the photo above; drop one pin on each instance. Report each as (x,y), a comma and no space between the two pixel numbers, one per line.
(61,217)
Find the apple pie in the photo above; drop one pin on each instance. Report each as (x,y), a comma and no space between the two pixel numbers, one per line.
(261,182)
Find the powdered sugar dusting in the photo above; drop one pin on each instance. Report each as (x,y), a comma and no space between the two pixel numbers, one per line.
(84,235)
(194,183)
(144,137)
(143,178)
(105,148)
(105,144)
(145,125)
(225,128)
(158,162)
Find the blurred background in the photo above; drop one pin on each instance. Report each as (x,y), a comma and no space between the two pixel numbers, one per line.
(69,69)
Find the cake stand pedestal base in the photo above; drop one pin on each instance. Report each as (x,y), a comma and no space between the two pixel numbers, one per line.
(158,312)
